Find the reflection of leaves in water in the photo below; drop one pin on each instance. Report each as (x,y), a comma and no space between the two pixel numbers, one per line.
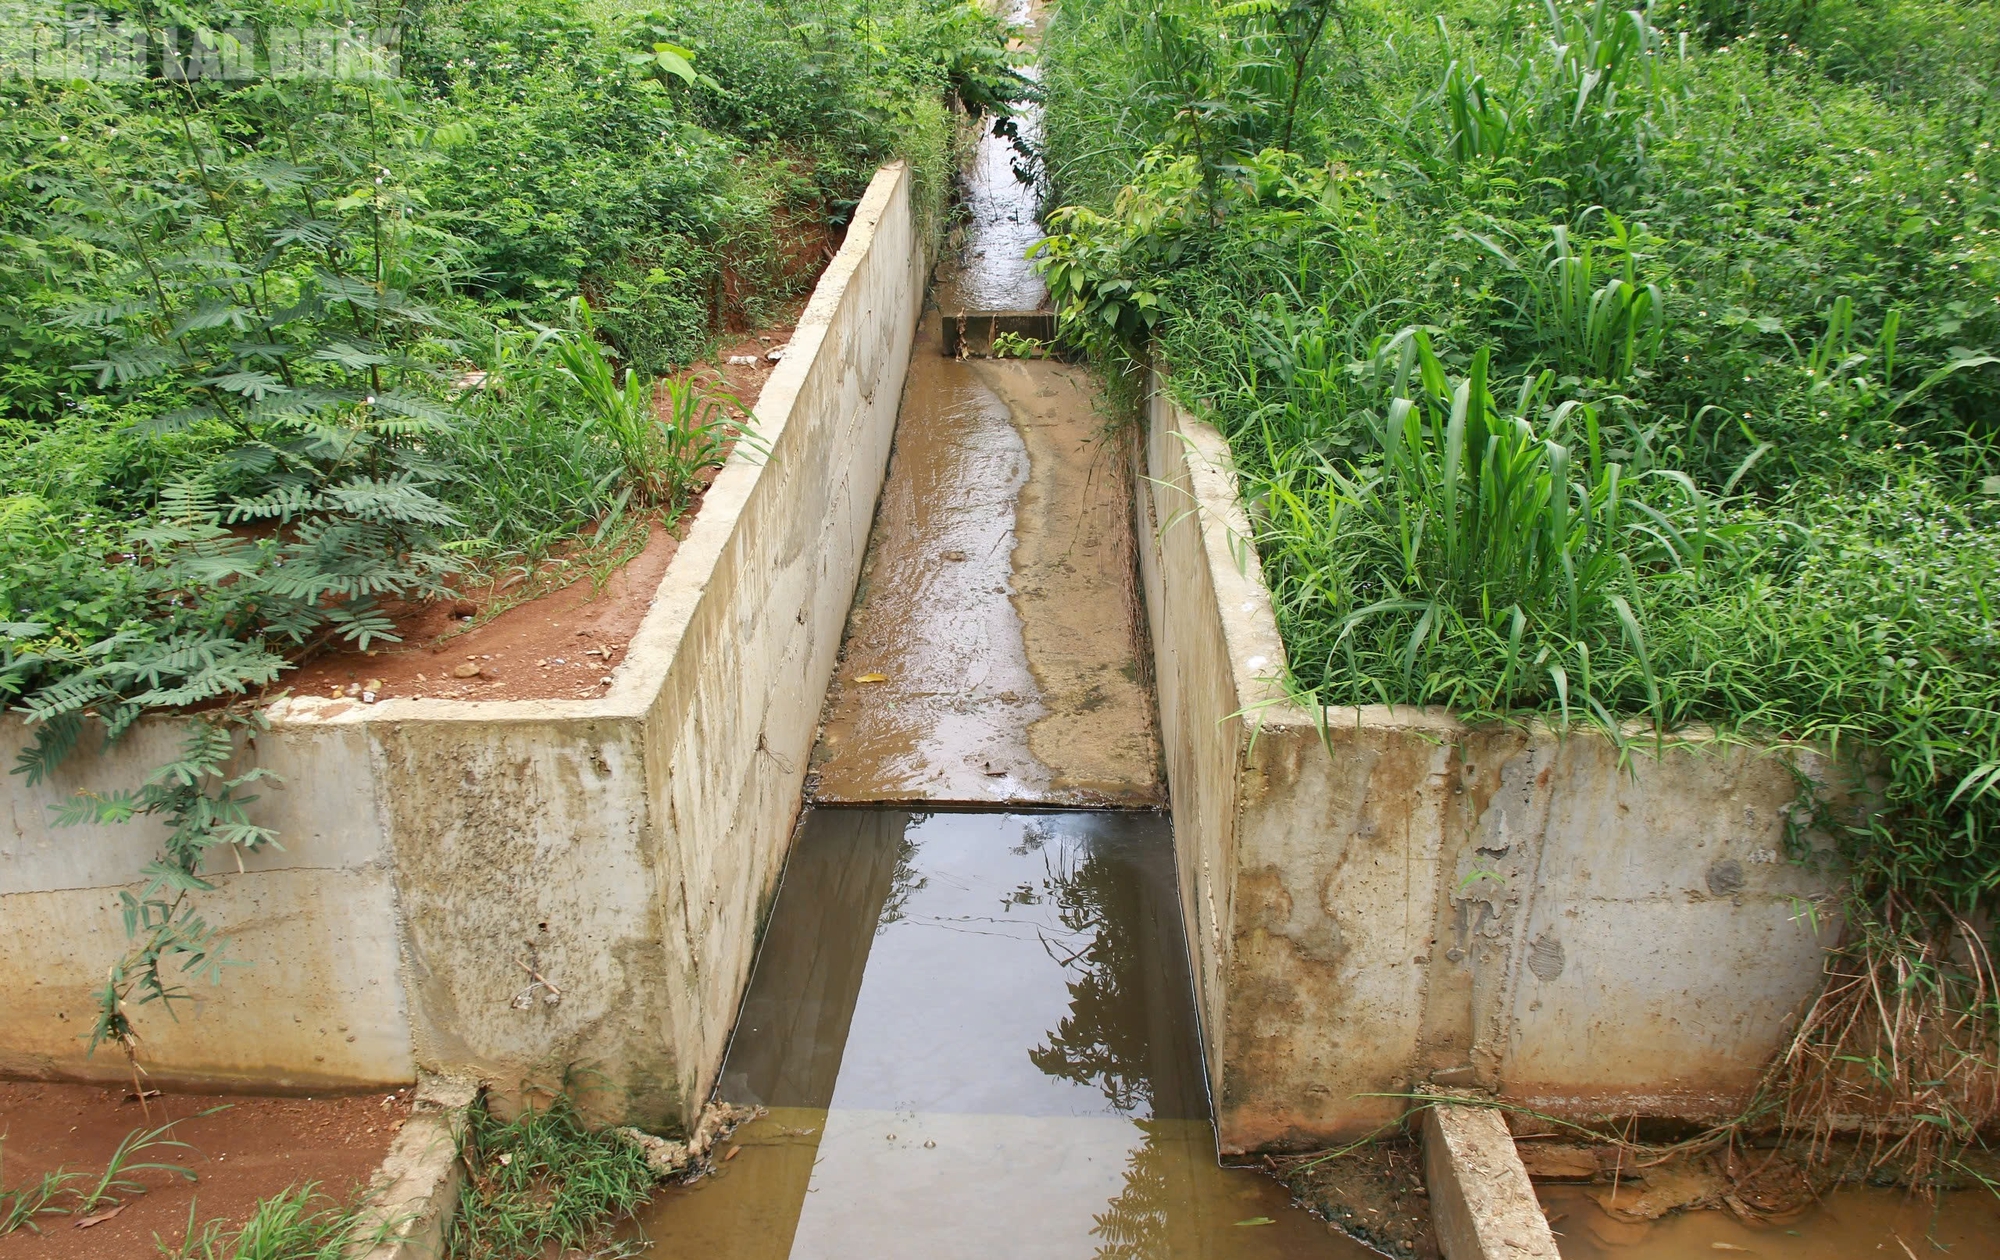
(1025,895)
(904,882)
(1033,837)
(1134,1225)
(1103,1040)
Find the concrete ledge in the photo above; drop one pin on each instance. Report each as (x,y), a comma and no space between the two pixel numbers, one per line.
(973,332)
(1482,1205)
(1377,898)
(414,1193)
(624,848)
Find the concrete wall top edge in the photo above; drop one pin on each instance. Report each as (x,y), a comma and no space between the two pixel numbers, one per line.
(1257,653)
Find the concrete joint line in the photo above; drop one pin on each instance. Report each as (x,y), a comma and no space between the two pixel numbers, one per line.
(1482,1206)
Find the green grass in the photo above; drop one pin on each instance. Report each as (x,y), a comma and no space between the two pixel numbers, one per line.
(545,1179)
(63,1192)
(296,1224)
(1585,366)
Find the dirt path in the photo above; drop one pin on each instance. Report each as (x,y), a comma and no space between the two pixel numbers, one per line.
(994,651)
(239,1149)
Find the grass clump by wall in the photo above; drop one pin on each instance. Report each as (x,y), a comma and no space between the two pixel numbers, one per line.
(1598,363)
(281,350)
(545,1182)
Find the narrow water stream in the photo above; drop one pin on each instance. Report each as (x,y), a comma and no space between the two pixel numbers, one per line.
(974,1034)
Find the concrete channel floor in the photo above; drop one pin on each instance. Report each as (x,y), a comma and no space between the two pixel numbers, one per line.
(974,1033)
(995,653)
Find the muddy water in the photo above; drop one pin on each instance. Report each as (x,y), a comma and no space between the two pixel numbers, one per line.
(974,1033)
(1850,1224)
(992,271)
(994,651)
(995,654)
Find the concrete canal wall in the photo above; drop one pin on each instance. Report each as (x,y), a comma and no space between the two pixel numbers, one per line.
(1402,899)
(623,847)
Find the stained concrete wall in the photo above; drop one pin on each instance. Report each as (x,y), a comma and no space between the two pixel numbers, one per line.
(624,847)
(1401,898)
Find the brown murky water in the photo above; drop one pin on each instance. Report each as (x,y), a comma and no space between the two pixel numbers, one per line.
(995,651)
(975,1036)
(1850,1224)
(992,271)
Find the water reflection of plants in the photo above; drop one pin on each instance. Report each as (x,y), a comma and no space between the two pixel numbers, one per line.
(1105,1040)
(1134,1225)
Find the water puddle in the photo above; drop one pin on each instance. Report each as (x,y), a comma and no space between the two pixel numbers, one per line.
(1850,1224)
(975,1036)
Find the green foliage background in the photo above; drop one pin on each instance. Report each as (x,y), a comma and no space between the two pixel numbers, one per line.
(1587,361)
(278,353)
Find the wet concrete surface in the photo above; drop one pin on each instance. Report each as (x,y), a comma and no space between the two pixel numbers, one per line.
(994,654)
(1851,1223)
(975,1036)
(996,651)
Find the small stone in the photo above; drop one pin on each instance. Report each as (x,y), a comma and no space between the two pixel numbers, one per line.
(954,555)
(775,353)
(742,360)
(468,670)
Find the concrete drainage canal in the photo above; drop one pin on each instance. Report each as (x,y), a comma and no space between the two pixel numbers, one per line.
(990,1000)
(971,1023)
(973,1035)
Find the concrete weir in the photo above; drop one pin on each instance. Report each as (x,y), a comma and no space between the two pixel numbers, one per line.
(625,847)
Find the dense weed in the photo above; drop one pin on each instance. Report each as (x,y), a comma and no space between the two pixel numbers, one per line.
(545,1180)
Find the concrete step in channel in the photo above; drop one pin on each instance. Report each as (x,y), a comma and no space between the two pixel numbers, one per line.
(970,334)
(1482,1205)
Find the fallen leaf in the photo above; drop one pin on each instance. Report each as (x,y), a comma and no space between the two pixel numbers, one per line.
(1723,1246)
(98,1218)
(871,678)
(1258,1220)
(734,1151)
